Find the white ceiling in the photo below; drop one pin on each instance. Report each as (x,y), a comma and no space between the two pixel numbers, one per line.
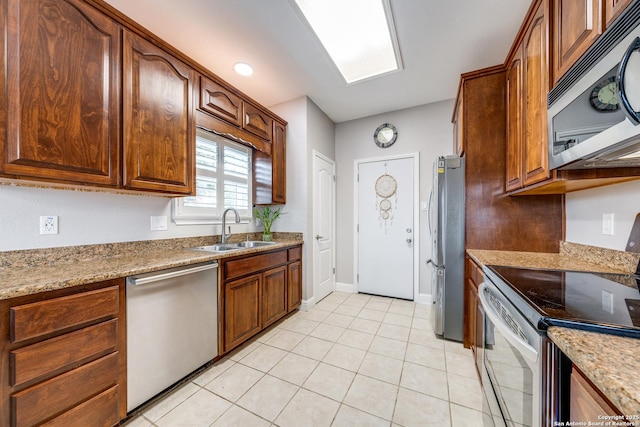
(438,41)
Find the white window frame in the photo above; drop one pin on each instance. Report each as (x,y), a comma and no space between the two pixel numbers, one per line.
(188,215)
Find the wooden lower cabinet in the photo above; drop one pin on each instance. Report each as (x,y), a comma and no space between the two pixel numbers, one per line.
(258,290)
(62,357)
(586,402)
(473,316)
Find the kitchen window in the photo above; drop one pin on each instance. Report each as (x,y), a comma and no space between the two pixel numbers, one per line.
(223,180)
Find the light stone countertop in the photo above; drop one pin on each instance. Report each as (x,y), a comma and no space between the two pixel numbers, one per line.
(39,270)
(610,362)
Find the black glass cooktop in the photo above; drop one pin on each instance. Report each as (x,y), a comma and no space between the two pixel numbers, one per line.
(593,301)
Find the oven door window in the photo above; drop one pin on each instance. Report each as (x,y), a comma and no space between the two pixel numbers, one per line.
(511,377)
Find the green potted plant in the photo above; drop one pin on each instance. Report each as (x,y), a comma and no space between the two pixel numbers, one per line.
(266,217)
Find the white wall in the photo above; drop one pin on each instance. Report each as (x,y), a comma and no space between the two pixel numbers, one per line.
(426,129)
(584,211)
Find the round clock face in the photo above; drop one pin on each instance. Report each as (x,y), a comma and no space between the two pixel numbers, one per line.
(604,95)
(385,135)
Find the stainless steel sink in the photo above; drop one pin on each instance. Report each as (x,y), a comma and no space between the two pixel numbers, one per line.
(254,244)
(233,246)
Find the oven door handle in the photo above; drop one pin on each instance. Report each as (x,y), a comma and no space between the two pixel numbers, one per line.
(523,347)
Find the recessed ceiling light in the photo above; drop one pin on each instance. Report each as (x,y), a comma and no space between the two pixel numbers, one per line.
(359,36)
(243,69)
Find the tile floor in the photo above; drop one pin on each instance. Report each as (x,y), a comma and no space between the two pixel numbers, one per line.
(353,360)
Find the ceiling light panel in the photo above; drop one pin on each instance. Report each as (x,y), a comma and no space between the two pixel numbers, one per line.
(358,35)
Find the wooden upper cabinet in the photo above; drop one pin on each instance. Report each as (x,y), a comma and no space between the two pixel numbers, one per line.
(514,123)
(159,119)
(458,128)
(535,80)
(60,88)
(577,24)
(219,101)
(256,122)
(613,9)
(279,163)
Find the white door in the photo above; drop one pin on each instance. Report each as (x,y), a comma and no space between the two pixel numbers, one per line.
(324,278)
(385,206)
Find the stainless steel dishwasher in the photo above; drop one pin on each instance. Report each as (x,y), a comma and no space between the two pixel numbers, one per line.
(172,327)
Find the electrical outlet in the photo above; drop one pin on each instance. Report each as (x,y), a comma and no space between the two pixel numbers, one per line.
(607,301)
(607,224)
(49,224)
(158,223)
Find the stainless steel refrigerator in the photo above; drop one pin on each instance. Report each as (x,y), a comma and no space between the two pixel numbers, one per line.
(446,224)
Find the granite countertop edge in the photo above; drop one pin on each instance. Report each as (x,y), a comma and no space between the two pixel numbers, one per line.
(609,361)
(33,278)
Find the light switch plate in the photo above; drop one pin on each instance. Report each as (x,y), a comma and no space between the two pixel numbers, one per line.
(607,224)
(158,223)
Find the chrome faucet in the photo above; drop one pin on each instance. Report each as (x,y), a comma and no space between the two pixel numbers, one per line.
(223,236)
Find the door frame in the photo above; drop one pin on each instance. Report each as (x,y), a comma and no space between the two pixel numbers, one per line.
(416,216)
(314,251)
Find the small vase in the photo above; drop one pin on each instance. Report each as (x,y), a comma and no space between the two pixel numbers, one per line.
(267,237)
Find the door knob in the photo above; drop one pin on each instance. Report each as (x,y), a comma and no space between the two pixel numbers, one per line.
(318,237)
(409,240)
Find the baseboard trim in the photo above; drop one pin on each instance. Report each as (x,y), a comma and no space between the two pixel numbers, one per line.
(424,299)
(307,304)
(346,287)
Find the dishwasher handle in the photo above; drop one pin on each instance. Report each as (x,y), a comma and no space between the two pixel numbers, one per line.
(152,278)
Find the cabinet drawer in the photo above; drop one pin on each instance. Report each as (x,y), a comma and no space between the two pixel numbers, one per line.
(100,411)
(65,351)
(40,318)
(256,122)
(243,266)
(40,402)
(295,254)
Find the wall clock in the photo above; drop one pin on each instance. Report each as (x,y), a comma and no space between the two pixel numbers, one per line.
(604,95)
(385,135)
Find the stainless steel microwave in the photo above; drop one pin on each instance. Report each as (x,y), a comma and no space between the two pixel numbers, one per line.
(594,111)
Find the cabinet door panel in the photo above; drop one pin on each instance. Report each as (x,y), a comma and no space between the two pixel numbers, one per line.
(62,92)
(159,121)
(577,24)
(613,9)
(279,163)
(100,411)
(256,122)
(535,100)
(514,124)
(294,285)
(242,310)
(218,101)
(274,295)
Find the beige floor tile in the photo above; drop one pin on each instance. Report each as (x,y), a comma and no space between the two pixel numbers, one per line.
(405,310)
(326,306)
(349,310)
(165,405)
(388,347)
(201,409)
(367,313)
(300,325)
(340,320)
(352,417)
(345,357)
(373,396)
(365,325)
(400,333)
(246,348)
(461,364)
(423,311)
(425,380)
(426,356)
(337,297)
(285,340)
(456,347)
(397,319)
(330,381)
(416,409)
(236,416)
(294,368)
(234,382)
(465,391)
(357,300)
(315,315)
(377,305)
(356,339)
(465,417)
(266,335)
(312,347)
(426,338)
(213,371)
(327,332)
(308,409)
(381,368)
(268,397)
(138,421)
(263,358)
(422,324)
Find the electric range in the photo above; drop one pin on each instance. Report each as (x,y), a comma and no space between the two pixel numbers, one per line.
(598,302)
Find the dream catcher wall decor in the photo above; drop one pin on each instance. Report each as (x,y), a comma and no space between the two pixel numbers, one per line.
(386,187)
